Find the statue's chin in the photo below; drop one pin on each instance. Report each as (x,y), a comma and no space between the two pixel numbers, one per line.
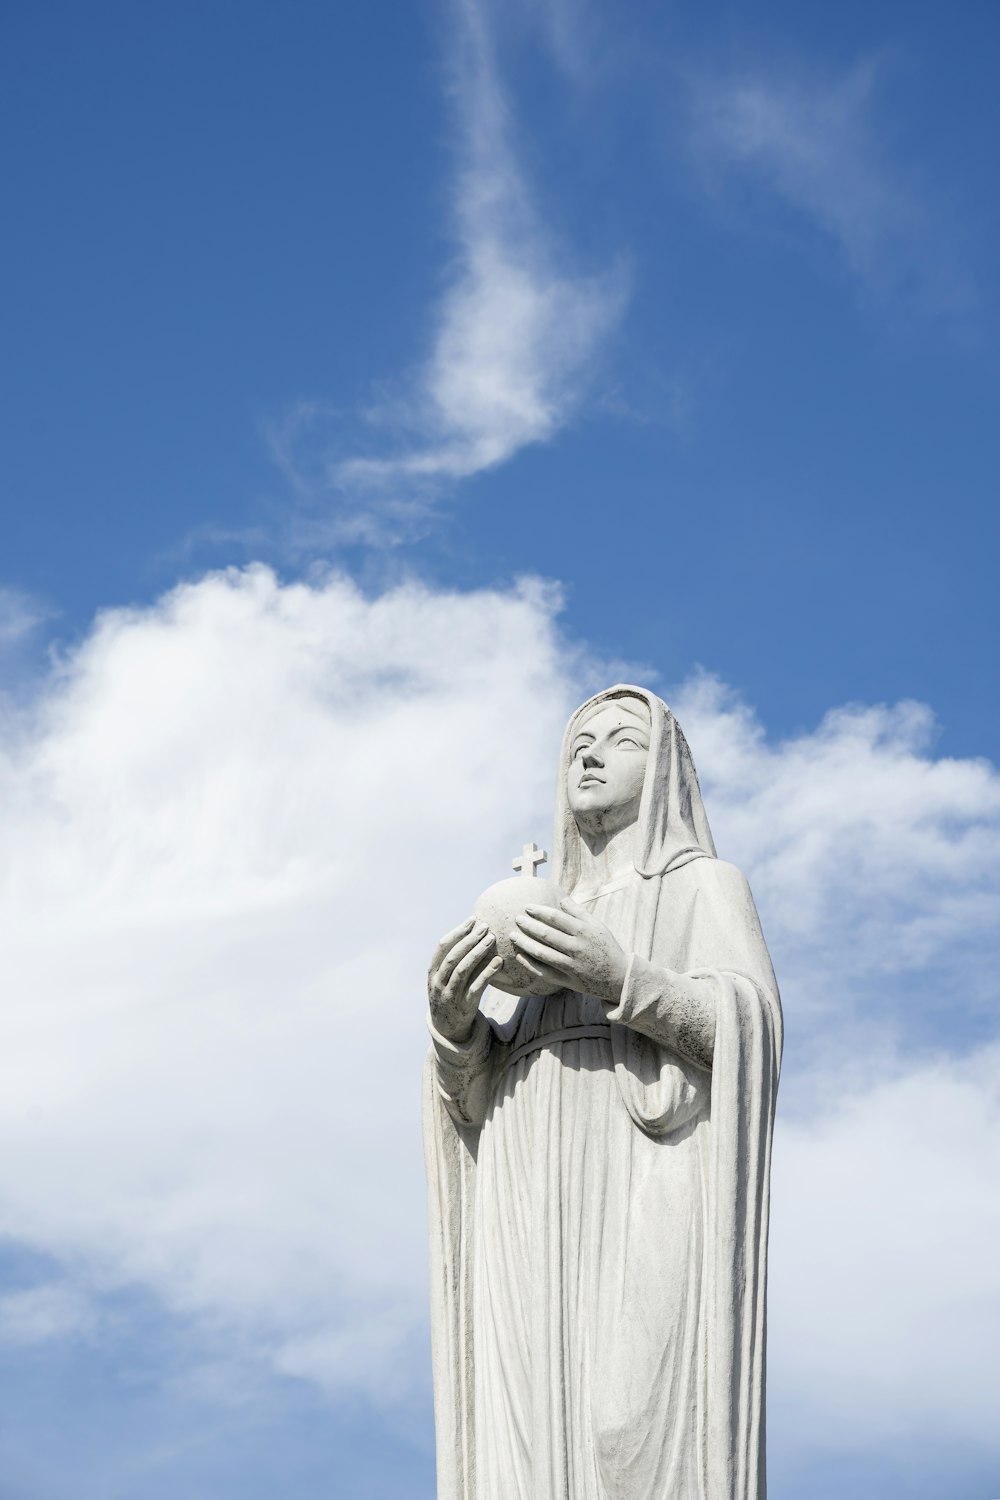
(602,823)
(589,821)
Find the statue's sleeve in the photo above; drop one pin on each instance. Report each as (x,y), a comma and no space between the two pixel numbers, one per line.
(676,1010)
(465,1072)
(724,948)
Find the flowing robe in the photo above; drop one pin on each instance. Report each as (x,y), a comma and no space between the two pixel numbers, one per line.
(598,1215)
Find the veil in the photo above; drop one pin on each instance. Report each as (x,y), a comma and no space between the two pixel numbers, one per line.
(672,823)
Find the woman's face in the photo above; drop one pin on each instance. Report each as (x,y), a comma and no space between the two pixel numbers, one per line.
(607,768)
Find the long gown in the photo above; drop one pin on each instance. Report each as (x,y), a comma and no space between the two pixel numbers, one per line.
(589,1317)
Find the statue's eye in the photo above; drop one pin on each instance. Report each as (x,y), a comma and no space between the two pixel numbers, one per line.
(626,739)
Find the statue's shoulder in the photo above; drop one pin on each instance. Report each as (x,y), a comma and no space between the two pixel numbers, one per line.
(719,877)
(710,870)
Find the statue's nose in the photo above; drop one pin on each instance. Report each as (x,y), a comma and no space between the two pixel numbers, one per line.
(591,757)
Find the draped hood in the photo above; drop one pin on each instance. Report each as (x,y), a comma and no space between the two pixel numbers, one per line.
(672,824)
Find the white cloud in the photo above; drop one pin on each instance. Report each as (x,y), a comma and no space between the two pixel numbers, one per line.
(816,144)
(870,857)
(572,30)
(233,828)
(876,866)
(39,1313)
(19,615)
(517,326)
(885,1293)
(234,823)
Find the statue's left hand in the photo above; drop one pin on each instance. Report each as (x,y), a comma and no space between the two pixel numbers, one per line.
(573,949)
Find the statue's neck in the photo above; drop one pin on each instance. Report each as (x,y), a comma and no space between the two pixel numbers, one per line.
(605,855)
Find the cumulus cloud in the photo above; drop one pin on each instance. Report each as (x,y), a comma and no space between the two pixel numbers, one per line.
(876,866)
(518,323)
(885,1297)
(872,858)
(234,823)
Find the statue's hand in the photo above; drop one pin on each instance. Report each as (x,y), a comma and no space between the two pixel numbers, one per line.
(464,962)
(573,949)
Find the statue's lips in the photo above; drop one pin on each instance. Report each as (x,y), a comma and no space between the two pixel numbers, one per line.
(592,781)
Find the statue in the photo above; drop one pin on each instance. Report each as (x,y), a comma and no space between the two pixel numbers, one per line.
(598,1147)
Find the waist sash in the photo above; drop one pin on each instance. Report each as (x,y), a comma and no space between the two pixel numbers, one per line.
(599,1029)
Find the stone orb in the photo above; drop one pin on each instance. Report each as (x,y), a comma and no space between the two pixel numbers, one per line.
(497,907)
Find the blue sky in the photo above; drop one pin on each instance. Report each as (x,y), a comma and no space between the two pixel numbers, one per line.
(689,310)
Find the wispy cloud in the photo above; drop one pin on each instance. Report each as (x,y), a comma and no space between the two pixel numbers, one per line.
(817,143)
(579,34)
(20,613)
(50,1310)
(518,324)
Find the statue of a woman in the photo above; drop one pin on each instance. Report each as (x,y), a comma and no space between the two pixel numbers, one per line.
(598,1159)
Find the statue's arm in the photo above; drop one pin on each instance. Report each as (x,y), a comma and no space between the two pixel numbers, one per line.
(465,1070)
(463,964)
(677,1010)
(727,956)
(572,947)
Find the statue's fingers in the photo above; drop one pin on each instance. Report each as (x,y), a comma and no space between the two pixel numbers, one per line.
(541,971)
(449,940)
(481,980)
(482,961)
(552,916)
(459,951)
(472,958)
(556,937)
(541,952)
(569,906)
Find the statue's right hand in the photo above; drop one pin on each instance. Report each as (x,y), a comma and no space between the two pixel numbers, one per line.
(464,962)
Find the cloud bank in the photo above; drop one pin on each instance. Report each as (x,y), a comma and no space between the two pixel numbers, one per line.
(234,824)
(885,1308)
(875,861)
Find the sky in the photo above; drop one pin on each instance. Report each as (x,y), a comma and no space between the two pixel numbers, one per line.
(380,380)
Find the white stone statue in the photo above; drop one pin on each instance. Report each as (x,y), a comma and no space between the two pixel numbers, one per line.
(598,1151)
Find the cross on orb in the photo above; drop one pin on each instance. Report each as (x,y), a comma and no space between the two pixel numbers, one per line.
(530,857)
